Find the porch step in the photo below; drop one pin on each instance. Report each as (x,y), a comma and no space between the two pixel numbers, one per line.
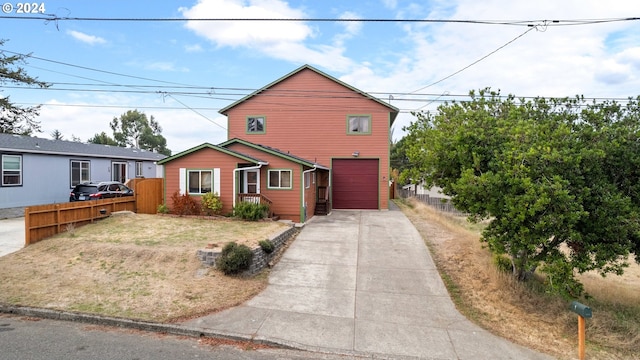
(321,208)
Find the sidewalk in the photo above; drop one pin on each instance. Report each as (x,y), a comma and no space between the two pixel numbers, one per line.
(11,235)
(361,283)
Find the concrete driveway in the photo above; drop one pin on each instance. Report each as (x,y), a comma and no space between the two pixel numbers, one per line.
(361,283)
(11,235)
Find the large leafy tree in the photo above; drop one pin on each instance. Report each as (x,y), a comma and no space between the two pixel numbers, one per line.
(559,179)
(102,139)
(133,129)
(16,119)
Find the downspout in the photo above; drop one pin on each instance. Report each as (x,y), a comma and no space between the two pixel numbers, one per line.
(260,164)
(304,189)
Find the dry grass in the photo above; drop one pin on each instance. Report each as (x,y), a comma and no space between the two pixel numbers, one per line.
(520,312)
(133,265)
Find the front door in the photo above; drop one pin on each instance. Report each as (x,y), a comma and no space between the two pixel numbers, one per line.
(251,182)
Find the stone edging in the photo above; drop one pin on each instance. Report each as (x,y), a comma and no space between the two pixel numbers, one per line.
(260,258)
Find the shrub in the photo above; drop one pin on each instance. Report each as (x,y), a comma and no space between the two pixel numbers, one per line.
(184,204)
(163,209)
(503,263)
(250,211)
(267,246)
(211,203)
(234,258)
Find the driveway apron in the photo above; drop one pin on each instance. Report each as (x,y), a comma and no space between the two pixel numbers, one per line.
(361,283)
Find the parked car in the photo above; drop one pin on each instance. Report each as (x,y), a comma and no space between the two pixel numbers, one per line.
(99,190)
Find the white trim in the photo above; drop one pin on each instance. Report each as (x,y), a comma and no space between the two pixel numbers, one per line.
(216,181)
(183,181)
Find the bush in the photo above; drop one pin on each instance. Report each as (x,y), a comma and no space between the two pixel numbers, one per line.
(250,211)
(267,246)
(503,263)
(211,203)
(234,258)
(163,209)
(184,204)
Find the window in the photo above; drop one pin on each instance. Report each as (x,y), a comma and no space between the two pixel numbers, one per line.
(359,124)
(11,170)
(139,167)
(119,171)
(80,172)
(279,179)
(255,125)
(200,181)
(307,180)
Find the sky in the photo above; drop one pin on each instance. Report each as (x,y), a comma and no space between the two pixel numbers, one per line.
(182,72)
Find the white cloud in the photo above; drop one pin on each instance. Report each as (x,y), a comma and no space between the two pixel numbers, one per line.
(164,66)
(85,38)
(193,48)
(280,40)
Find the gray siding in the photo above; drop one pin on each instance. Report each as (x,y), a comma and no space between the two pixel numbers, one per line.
(46,179)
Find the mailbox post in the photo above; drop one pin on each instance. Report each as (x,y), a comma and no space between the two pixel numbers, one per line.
(583,312)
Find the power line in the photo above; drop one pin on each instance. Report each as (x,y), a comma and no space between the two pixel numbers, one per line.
(570,22)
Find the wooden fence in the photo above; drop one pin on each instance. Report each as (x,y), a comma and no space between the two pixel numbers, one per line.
(43,221)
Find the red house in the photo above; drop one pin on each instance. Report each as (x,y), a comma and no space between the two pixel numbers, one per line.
(305,144)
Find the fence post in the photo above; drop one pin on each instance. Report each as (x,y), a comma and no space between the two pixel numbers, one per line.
(27,231)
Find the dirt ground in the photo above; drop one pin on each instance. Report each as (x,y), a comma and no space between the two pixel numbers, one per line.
(510,309)
(133,265)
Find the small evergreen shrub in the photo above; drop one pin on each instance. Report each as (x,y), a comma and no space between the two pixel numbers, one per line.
(163,209)
(234,258)
(184,204)
(211,203)
(250,211)
(267,246)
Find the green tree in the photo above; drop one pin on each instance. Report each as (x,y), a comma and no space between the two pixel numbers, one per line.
(559,179)
(135,130)
(16,119)
(102,138)
(57,135)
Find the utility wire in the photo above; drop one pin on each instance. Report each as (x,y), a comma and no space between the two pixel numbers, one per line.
(55,18)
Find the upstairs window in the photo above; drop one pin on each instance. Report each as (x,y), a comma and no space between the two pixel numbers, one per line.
(11,170)
(255,125)
(359,124)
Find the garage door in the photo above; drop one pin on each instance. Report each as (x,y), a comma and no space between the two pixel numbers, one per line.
(355,183)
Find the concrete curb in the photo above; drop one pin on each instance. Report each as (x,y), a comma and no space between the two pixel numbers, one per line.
(179,330)
(126,323)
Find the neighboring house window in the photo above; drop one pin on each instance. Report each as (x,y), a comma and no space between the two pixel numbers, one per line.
(279,179)
(255,125)
(119,171)
(11,170)
(359,124)
(200,181)
(139,168)
(80,172)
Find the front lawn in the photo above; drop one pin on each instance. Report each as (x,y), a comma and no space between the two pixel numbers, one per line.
(133,265)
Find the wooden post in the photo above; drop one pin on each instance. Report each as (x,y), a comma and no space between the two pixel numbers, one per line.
(581,337)
(27,229)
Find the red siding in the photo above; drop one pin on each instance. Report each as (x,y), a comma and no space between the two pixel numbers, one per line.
(306,114)
(203,159)
(286,202)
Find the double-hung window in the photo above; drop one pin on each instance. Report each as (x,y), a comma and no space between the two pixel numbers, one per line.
(359,124)
(280,179)
(11,170)
(255,124)
(200,181)
(80,172)
(139,169)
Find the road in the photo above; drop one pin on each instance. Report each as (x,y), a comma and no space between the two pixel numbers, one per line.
(39,339)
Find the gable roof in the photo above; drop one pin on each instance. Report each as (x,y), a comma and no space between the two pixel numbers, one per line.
(216,148)
(393,110)
(274,151)
(35,145)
